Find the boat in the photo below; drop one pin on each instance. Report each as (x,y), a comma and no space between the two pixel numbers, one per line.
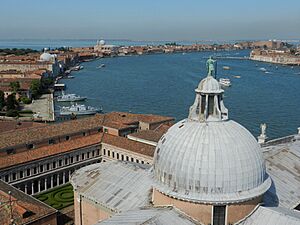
(237,76)
(226,68)
(70,98)
(101,66)
(76,109)
(79,67)
(225,82)
(263,69)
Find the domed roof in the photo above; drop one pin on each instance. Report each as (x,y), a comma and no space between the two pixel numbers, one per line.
(208,158)
(46,57)
(101,42)
(216,162)
(209,85)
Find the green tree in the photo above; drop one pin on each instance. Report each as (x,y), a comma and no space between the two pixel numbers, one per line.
(2,100)
(35,88)
(15,86)
(11,102)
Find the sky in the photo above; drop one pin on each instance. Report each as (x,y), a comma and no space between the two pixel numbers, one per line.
(150,19)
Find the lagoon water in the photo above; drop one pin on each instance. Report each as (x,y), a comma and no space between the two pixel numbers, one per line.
(164,84)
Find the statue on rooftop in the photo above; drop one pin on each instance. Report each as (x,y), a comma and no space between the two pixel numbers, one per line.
(210,65)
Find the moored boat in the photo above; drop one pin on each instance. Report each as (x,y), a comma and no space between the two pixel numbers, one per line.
(76,109)
(70,98)
(225,82)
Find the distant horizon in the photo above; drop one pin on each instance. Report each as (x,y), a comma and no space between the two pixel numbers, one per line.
(149,40)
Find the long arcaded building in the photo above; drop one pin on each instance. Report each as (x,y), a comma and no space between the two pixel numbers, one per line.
(37,158)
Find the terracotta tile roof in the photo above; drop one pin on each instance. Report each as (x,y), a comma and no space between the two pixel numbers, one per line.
(36,134)
(22,203)
(9,125)
(149,135)
(116,120)
(147,118)
(50,150)
(130,145)
(163,128)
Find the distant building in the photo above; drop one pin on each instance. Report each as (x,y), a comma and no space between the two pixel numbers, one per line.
(105,49)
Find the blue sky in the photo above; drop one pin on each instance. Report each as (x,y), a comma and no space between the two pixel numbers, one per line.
(150,19)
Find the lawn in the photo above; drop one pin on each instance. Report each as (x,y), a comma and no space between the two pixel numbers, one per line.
(59,197)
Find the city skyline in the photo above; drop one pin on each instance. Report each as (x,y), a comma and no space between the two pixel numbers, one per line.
(145,20)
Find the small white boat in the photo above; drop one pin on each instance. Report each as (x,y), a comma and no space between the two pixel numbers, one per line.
(263,69)
(226,68)
(79,67)
(101,66)
(70,98)
(225,82)
(79,110)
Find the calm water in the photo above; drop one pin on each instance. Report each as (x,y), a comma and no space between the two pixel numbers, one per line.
(164,84)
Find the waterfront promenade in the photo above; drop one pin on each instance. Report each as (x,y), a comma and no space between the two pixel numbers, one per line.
(43,108)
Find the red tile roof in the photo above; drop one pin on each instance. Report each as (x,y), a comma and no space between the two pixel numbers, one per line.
(129,145)
(50,150)
(21,204)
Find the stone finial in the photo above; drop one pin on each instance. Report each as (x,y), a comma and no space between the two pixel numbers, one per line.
(262,137)
(299,130)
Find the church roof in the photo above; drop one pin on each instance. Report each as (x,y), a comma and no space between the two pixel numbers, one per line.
(210,162)
(150,216)
(117,186)
(272,216)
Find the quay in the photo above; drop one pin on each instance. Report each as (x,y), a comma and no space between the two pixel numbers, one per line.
(43,108)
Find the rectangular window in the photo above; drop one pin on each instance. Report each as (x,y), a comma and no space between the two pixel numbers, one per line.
(219,214)
(71,159)
(82,156)
(60,162)
(34,170)
(28,172)
(88,155)
(66,161)
(108,153)
(54,165)
(83,134)
(77,158)
(51,142)
(105,130)
(41,168)
(29,146)
(67,138)
(48,166)
(21,174)
(113,154)
(10,151)
(14,176)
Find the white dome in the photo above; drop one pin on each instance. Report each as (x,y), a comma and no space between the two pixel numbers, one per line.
(209,85)
(46,57)
(102,42)
(210,162)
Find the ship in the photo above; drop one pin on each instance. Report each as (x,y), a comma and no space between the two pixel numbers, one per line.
(101,66)
(70,98)
(225,82)
(77,110)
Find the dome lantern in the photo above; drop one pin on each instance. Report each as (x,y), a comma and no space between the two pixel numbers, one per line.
(208,105)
